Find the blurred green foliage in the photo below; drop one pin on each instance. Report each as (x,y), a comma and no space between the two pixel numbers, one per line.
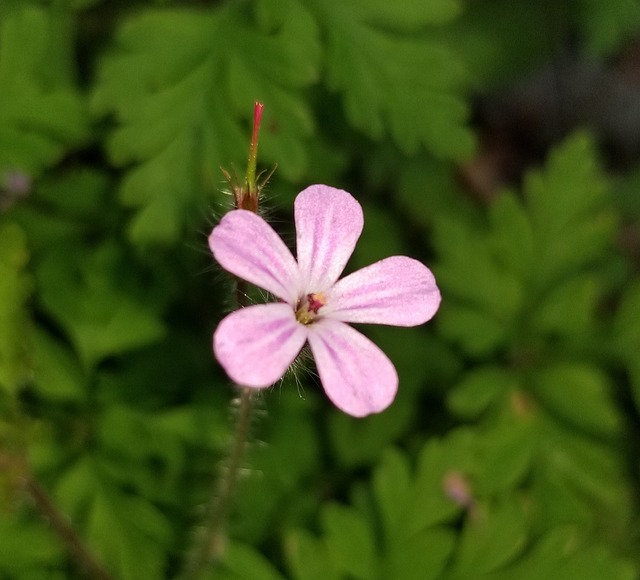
(511,451)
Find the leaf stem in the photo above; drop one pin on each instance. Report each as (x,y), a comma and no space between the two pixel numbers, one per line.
(45,506)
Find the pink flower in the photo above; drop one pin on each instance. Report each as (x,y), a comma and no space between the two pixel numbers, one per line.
(257,344)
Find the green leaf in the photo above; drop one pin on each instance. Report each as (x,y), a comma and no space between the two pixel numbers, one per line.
(580,395)
(572,226)
(426,553)
(606,24)
(596,562)
(478,390)
(65,207)
(529,272)
(392,488)
(244,562)
(95,299)
(626,334)
(569,309)
(491,539)
(26,548)
(58,373)
(129,533)
(42,115)
(357,443)
(427,188)
(15,289)
(579,480)
(308,557)
(479,333)
(81,193)
(406,551)
(182,83)
(437,459)
(512,237)
(507,452)
(501,41)
(407,85)
(562,554)
(76,486)
(413,17)
(152,467)
(468,255)
(350,541)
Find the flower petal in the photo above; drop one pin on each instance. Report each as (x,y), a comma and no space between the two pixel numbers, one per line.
(328,224)
(356,375)
(247,246)
(255,345)
(399,291)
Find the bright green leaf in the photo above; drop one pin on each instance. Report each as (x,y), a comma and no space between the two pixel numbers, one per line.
(572,227)
(424,555)
(577,480)
(392,487)
(437,460)
(26,548)
(491,539)
(467,256)
(561,554)
(350,541)
(42,115)
(512,235)
(129,533)
(58,374)
(308,558)
(507,452)
(408,86)
(181,82)
(569,308)
(245,563)
(579,395)
(413,16)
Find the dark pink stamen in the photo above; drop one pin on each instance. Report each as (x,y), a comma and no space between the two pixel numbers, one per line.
(314,303)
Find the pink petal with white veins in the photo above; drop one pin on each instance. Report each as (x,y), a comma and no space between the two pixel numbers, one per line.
(247,246)
(328,224)
(398,291)
(356,375)
(255,345)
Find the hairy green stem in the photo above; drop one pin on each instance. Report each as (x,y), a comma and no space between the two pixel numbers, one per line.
(213,540)
(211,545)
(227,483)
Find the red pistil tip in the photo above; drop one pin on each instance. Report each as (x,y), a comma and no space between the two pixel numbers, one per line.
(250,180)
(257,118)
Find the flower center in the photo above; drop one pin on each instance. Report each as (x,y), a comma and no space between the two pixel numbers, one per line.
(308,307)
